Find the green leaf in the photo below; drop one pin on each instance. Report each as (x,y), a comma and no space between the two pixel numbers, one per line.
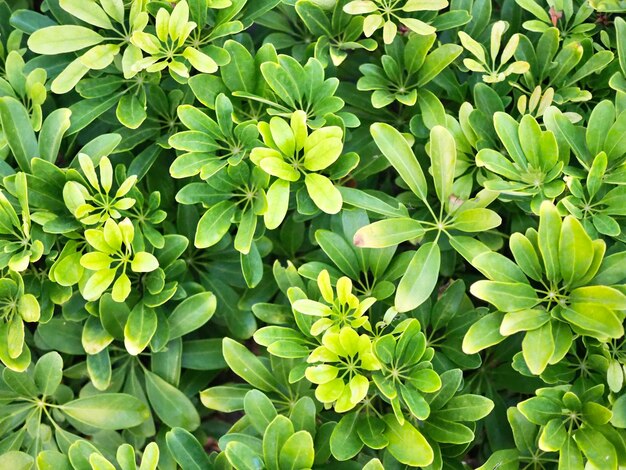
(223,398)
(407,444)
(595,320)
(443,157)
(507,129)
(570,457)
(20,382)
(88,11)
(241,456)
(433,115)
(506,296)
(16,460)
(170,404)
(247,366)
(297,452)
(18,131)
(597,448)
(608,297)
(107,411)
(252,266)
(523,320)
(191,314)
(447,432)
(476,220)
(344,440)
(236,73)
(553,436)
(214,224)
(372,203)
(620,26)
(524,432)
(397,150)
(525,256)
(388,232)
(437,61)
(507,459)
(274,437)
(615,144)
(144,262)
(484,333)
(530,138)
(324,194)
(619,412)
(186,450)
(51,460)
(374,464)
(466,408)
(303,415)
(84,112)
(415,402)
(139,329)
(574,249)
(51,134)
(615,376)
(130,112)
(259,409)
(278,203)
(339,251)
(114,8)
(535,9)
(498,267)
(497,163)
(540,410)
(612,270)
(61,39)
(65,82)
(99,369)
(538,347)
(48,372)
(549,236)
(420,278)
(98,282)
(281,82)
(314,18)
(371,432)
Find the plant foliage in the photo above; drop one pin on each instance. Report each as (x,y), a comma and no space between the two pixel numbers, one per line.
(312,234)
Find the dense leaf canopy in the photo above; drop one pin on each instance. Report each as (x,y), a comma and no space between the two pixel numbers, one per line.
(312,234)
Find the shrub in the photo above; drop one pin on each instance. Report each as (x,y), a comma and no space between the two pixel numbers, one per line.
(293,234)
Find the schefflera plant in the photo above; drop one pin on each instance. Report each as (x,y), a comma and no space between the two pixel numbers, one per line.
(452,210)
(112,250)
(46,416)
(292,154)
(387,14)
(273,440)
(234,194)
(27,87)
(555,290)
(211,143)
(16,307)
(97,51)
(378,377)
(493,72)
(577,425)
(169,49)
(341,359)
(21,240)
(406,67)
(532,171)
(90,199)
